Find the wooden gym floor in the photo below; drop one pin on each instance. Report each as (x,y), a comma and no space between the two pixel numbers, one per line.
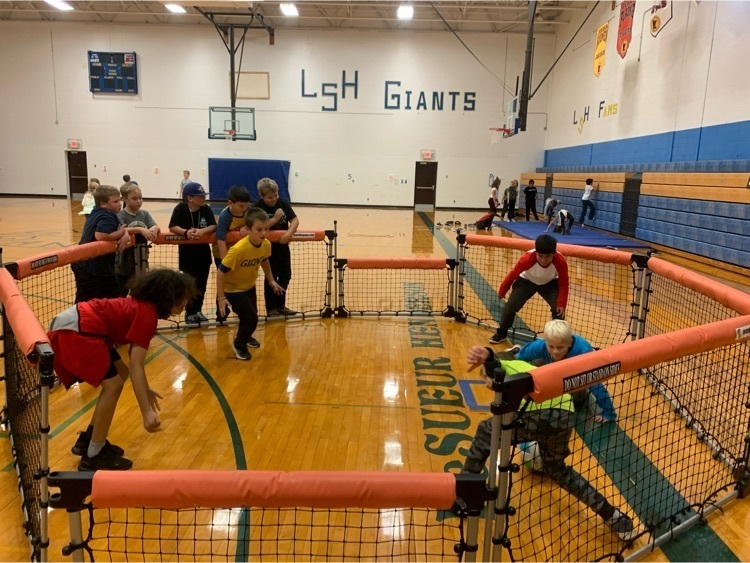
(319,394)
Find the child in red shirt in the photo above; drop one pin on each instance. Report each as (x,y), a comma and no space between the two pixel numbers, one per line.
(543,271)
(85,339)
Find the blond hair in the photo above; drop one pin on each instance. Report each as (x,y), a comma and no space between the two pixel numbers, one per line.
(128,188)
(557,329)
(267,186)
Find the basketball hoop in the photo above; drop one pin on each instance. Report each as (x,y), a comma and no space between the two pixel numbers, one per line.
(497,134)
(229,134)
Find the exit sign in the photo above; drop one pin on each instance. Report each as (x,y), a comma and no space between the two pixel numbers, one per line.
(75,144)
(427,154)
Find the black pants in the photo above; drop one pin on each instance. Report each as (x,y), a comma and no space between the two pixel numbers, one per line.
(281,268)
(509,207)
(587,204)
(523,290)
(245,305)
(531,208)
(90,286)
(199,272)
(551,429)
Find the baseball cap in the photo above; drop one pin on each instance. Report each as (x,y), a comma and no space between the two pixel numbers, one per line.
(193,188)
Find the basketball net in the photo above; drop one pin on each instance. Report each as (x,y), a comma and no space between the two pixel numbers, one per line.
(230,133)
(497,134)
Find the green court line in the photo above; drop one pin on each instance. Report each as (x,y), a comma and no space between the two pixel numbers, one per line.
(616,452)
(83,410)
(646,490)
(482,288)
(338,405)
(243,524)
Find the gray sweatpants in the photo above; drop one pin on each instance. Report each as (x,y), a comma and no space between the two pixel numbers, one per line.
(551,429)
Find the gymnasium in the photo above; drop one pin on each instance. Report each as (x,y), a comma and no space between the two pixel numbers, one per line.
(385,125)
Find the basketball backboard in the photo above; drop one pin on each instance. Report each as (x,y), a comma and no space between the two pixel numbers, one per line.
(511,117)
(236,124)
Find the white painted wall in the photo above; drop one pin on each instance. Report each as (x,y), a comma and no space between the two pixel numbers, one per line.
(693,74)
(184,70)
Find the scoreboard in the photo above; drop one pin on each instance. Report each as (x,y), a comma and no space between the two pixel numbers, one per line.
(113,72)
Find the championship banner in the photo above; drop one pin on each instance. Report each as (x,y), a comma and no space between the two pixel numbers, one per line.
(659,21)
(625,31)
(600,47)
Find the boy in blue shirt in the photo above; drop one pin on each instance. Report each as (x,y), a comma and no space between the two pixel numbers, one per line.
(559,343)
(95,277)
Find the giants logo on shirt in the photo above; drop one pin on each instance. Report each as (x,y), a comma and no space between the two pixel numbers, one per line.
(250,263)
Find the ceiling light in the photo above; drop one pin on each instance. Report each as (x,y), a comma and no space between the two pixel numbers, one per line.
(60,5)
(288,9)
(405,12)
(175,8)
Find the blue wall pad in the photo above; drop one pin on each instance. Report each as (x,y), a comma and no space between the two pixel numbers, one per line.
(225,172)
(578,235)
(726,142)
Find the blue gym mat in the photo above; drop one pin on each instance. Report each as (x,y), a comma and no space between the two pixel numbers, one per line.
(578,235)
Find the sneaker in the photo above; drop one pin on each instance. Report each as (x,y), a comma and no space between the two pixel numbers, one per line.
(105,459)
(622,525)
(498,337)
(241,353)
(201,317)
(286,311)
(82,445)
(273,313)
(253,343)
(192,321)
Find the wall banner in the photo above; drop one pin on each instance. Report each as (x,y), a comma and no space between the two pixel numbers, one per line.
(625,31)
(660,20)
(600,47)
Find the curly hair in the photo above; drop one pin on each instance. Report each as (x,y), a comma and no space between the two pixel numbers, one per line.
(164,289)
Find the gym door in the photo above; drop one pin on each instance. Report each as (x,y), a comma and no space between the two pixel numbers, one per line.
(425,181)
(78,174)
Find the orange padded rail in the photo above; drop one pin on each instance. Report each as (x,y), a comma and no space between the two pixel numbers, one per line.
(727,296)
(44,262)
(26,327)
(581,371)
(396,263)
(272,489)
(587,252)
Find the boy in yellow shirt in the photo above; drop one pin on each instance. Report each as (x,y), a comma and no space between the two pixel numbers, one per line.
(236,277)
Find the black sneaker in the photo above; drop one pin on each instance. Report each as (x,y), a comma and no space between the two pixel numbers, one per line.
(498,337)
(241,353)
(253,343)
(105,459)
(82,445)
(287,312)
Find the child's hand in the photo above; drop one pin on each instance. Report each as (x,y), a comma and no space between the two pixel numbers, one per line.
(123,241)
(150,235)
(277,288)
(223,306)
(278,214)
(153,400)
(477,356)
(560,312)
(285,238)
(244,231)
(151,421)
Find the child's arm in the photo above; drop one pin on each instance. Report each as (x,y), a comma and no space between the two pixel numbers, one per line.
(287,236)
(121,236)
(220,296)
(269,277)
(147,398)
